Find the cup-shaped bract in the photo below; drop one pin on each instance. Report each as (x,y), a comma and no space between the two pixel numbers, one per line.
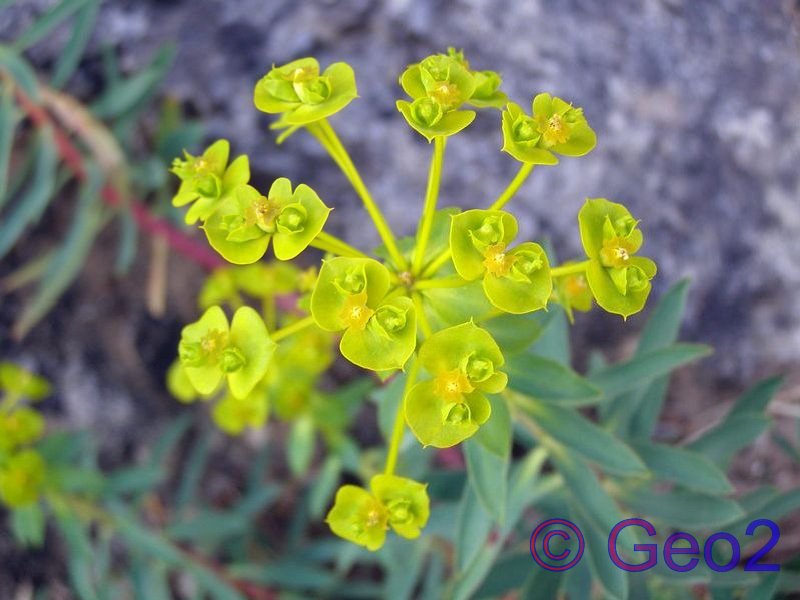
(572,292)
(250,338)
(21,383)
(486,93)
(522,282)
(359,517)
(464,361)
(200,349)
(619,280)
(388,339)
(201,176)
(233,415)
(555,126)
(348,291)
(473,232)
(19,427)
(301,94)
(406,502)
(241,228)
(22,478)
(236,175)
(428,118)
(178,384)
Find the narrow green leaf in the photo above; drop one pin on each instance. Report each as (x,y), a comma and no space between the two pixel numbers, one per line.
(131,93)
(27,524)
(474,523)
(134,480)
(664,321)
(627,375)
(71,54)
(324,486)
(496,434)
(584,437)
(765,589)
(45,24)
(541,584)
(553,342)
(644,420)
(8,122)
(209,527)
(29,208)
(193,472)
(684,467)
(613,580)
(726,439)
(516,333)
(681,508)
(20,72)
(488,474)
(169,439)
(507,575)
(546,379)
(86,223)
(757,398)
(300,449)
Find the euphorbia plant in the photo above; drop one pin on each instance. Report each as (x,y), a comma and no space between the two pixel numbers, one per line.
(422,308)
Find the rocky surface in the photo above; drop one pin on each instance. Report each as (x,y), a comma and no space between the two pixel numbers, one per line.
(696,106)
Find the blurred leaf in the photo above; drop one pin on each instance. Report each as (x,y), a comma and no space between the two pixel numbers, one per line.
(516,333)
(541,584)
(496,434)
(283,573)
(257,500)
(641,369)
(44,24)
(169,438)
(549,380)
(29,208)
(726,439)
(27,524)
(664,321)
(756,400)
(79,553)
(188,135)
(581,435)
(82,480)
(474,523)
(684,467)
(134,480)
(149,580)
(86,222)
(766,588)
(300,448)
(80,33)
(681,508)
(209,527)
(131,93)
(433,584)
(488,474)
(388,399)
(324,486)
(128,238)
(553,342)
(507,575)
(613,580)
(402,561)
(193,472)
(8,122)
(20,72)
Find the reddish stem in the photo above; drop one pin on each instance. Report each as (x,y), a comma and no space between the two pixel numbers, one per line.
(144,218)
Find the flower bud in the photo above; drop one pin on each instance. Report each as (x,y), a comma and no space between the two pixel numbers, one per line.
(292,219)
(426,111)
(232,359)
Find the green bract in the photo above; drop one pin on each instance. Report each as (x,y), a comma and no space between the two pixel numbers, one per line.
(302,94)
(554,127)
(572,292)
(19,427)
(620,281)
(448,409)
(350,295)
(22,478)
(210,350)
(363,517)
(207,178)
(20,383)
(243,224)
(516,280)
(233,415)
(487,93)
(438,86)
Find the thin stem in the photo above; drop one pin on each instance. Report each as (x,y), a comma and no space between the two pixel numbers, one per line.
(329,243)
(579,267)
(437,263)
(512,188)
(285,332)
(323,131)
(400,421)
(446,282)
(431,196)
(422,318)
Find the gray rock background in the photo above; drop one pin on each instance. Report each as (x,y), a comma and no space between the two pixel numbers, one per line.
(696,105)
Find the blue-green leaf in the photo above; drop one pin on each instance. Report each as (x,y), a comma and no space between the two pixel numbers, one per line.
(71,54)
(546,379)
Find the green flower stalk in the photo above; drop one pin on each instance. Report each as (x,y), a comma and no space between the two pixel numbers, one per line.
(464,361)
(363,516)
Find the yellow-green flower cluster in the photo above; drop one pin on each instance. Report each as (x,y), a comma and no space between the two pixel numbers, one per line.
(22,469)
